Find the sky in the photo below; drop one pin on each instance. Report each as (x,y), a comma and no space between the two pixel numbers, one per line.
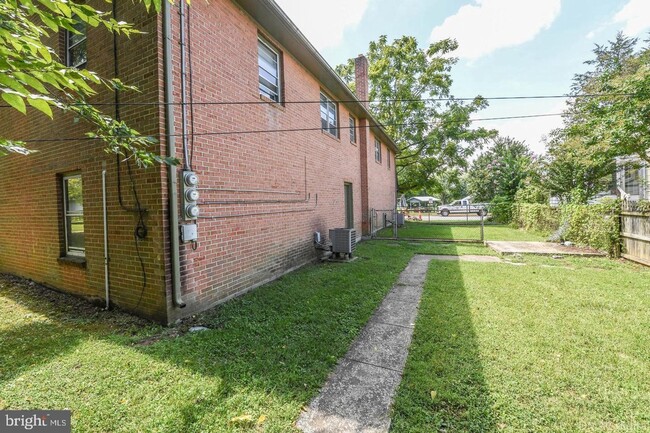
(506,47)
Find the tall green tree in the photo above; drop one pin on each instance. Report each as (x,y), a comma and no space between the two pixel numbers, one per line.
(410,92)
(32,74)
(501,170)
(575,172)
(616,123)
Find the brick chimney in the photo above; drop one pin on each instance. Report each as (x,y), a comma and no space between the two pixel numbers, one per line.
(361,78)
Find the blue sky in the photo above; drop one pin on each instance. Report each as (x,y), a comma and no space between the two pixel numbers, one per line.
(507,47)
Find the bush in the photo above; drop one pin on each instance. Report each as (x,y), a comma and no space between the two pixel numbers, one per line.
(596,226)
(501,210)
(536,217)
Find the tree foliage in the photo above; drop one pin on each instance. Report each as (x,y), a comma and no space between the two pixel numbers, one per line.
(501,171)
(617,123)
(410,92)
(32,74)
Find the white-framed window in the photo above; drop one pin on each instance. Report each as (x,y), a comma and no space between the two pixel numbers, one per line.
(353,130)
(377,151)
(73,215)
(268,60)
(76,53)
(328,115)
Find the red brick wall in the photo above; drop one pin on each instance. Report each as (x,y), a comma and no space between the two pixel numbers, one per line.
(236,253)
(31,238)
(241,245)
(381,177)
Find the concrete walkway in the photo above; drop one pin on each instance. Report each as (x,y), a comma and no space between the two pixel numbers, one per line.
(358,394)
(543,248)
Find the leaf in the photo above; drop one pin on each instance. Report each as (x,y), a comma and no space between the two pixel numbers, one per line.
(261,419)
(433,395)
(41,106)
(8,81)
(15,101)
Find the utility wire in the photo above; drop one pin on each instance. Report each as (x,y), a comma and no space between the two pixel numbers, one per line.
(268,131)
(343,101)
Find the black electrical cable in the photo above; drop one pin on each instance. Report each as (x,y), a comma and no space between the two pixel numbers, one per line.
(191,81)
(266,131)
(140,231)
(351,101)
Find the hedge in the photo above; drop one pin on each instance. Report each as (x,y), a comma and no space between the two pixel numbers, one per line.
(596,225)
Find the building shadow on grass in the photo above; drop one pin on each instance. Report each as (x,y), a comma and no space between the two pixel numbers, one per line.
(443,388)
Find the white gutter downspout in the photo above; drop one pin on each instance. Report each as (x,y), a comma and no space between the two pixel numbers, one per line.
(170,139)
(104,212)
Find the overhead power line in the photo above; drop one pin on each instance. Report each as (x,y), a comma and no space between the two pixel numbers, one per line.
(288,130)
(343,101)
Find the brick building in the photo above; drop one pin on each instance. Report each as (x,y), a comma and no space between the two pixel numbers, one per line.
(279,144)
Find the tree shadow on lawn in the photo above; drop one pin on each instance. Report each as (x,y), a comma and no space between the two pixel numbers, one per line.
(443,388)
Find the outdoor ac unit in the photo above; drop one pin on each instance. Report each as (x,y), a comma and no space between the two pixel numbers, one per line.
(344,241)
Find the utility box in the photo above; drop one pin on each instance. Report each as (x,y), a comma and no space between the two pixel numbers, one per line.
(344,241)
(189,233)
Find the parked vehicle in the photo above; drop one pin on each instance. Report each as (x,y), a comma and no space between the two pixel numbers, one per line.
(462,206)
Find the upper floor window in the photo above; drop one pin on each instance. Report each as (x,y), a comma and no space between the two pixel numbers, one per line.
(353,130)
(76,54)
(377,151)
(328,115)
(73,215)
(268,60)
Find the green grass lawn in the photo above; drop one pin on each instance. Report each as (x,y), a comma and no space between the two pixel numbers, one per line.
(266,355)
(460,231)
(551,346)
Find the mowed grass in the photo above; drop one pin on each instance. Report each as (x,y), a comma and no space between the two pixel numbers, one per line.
(461,231)
(265,356)
(549,346)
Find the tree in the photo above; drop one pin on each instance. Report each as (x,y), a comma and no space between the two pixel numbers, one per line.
(32,74)
(501,170)
(616,123)
(575,172)
(410,92)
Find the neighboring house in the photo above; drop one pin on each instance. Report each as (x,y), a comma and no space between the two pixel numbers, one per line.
(633,177)
(423,201)
(262,194)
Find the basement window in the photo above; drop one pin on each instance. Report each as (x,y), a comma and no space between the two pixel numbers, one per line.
(76,54)
(268,60)
(73,215)
(328,115)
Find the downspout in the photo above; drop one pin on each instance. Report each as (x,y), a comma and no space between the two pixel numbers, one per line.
(181,24)
(170,140)
(106,260)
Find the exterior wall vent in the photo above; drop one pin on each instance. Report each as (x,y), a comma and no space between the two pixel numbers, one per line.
(344,241)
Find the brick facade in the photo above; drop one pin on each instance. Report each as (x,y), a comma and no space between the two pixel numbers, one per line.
(263,194)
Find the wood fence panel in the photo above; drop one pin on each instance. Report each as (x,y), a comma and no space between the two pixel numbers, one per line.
(635,231)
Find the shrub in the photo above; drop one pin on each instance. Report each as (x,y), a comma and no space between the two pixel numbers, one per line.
(595,225)
(501,210)
(536,217)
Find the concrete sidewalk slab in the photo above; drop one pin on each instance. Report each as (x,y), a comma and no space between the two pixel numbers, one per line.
(357,396)
(544,248)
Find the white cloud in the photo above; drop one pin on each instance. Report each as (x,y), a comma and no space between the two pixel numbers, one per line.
(324,23)
(489,25)
(635,17)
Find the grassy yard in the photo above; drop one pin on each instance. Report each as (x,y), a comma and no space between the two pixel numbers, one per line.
(461,231)
(550,346)
(264,358)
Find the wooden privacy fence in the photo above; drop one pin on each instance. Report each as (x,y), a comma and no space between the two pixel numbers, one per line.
(635,234)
